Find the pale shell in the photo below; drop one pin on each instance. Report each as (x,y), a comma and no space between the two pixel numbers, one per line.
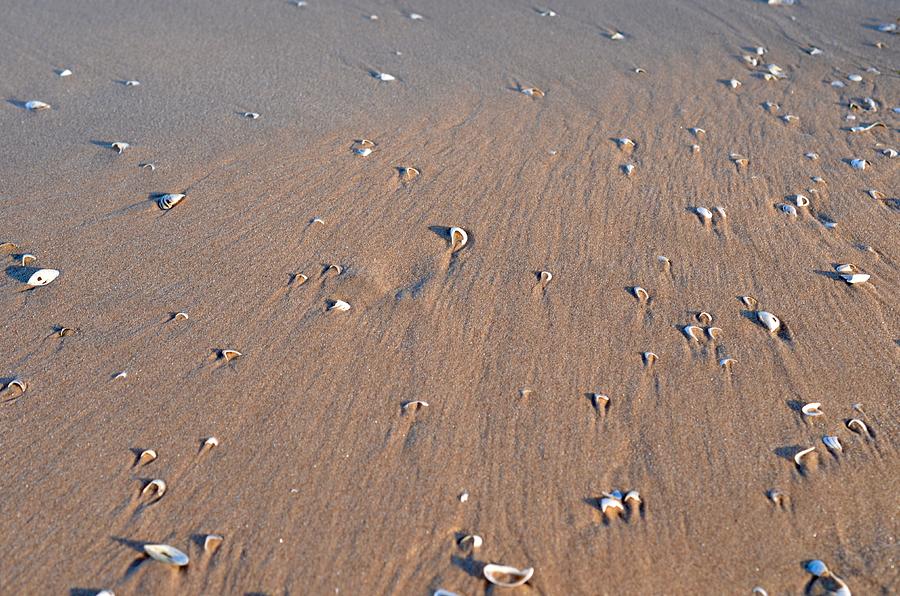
(155,486)
(866,127)
(415,405)
(858,426)
(704,317)
(42,277)
(727,362)
(801,200)
(26,258)
(798,457)
(166,554)
(229,354)
(704,213)
(474,539)
(768,320)
(147,456)
(714,333)
(212,542)
(812,409)
(532,92)
(34,105)
(855,278)
(119,146)
(167,201)
(649,358)
(210,442)
(505,576)
(817,568)
(858,164)
(132,83)
(855,78)
(832,443)
(690,331)
(458,238)
(363,151)
(600,401)
(633,497)
(19,384)
(616,36)
(788,209)
(628,169)
(546,276)
(250,115)
(640,293)
(611,505)
(339,305)
(65,72)
(733,83)
(383,76)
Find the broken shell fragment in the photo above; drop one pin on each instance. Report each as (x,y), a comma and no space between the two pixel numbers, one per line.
(739,160)
(362,151)
(811,155)
(624,142)
(801,200)
(147,166)
(166,554)
(505,576)
(121,375)
(474,539)
(65,72)
(768,320)
(628,169)
(383,76)
(733,83)
(833,443)
(776,496)
(714,333)
(649,358)
(858,164)
(250,115)
(545,277)
(229,354)
(858,426)
(407,173)
(212,542)
(146,456)
(727,363)
(458,238)
(532,91)
(65,331)
(157,487)
(600,401)
(788,118)
(704,318)
(132,83)
(616,36)
(42,277)
(704,213)
(119,146)
(798,457)
(209,443)
(855,278)
(866,127)
(633,498)
(19,384)
(180,316)
(750,302)
(640,293)
(788,209)
(34,105)
(339,305)
(690,331)
(812,409)
(414,405)
(167,201)
(26,258)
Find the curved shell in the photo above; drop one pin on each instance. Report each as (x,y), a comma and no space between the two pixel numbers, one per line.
(474,539)
(532,92)
(210,443)
(817,568)
(362,151)
(212,542)
(833,443)
(727,362)
(506,576)
(812,409)
(147,456)
(19,384)
(798,457)
(458,238)
(414,405)
(546,276)
(26,258)
(855,278)
(35,105)
(845,268)
(704,318)
(600,400)
(339,305)
(383,76)
(769,321)
(119,146)
(611,505)
(250,115)
(229,355)
(714,333)
(750,301)
(640,293)
(166,554)
(633,497)
(704,213)
(801,200)
(628,169)
(155,486)
(649,358)
(858,426)
(788,209)
(858,164)
(167,201)
(42,277)
(692,331)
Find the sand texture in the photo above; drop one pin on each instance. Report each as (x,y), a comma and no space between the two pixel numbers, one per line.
(323,482)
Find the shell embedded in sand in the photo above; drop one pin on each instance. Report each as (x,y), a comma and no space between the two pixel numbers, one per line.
(167,201)
(832,443)
(625,142)
(181,316)
(892,153)
(250,115)
(157,487)
(362,151)
(769,321)
(166,554)
(855,278)
(812,409)
(209,443)
(855,78)
(858,164)
(695,148)
(301,279)
(463,497)
(727,363)
(811,155)
(692,332)
(817,568)
(65,72)
(532,91)
(776,496)
(132,83)
(640,293)
(633,498)
(733,83)
(775,71)
(229,354)
(858,426)
(121,375)
(506,576)
(788,118)
(34,105)
(704,213)
(798,457)
(147,456)
(649,358)
(611,505)
(212,542)
(147,166)
(866,127)
(339,305)
(720,211)
(770,106)
(750,302)
(414,405)
(26,258)
(317,220)
(546,12)
(800,200)
(616,36)
(416,16)
(119,146)
(739,160)
(788,209)
(600,401)
(458,238)
(408,173)
(42,277)
(19,384)
(628,169)
(845,268)
(640,70)
(704,318)
(474,539)
(813,51)
(383,76)
(65,331)
(714,333)
(545,277)
(336,268)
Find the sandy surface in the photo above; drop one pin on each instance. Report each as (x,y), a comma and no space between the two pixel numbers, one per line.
(322,483)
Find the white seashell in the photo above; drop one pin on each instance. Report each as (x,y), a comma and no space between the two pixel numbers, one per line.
(733,83)
(818,180)
(801,201)
(625,142)
(34,105)
(505,576)
(727,362)
(739,160)
(339,305)
(600,401)
(65,331)
(212,542)
(867,127)
(855,278)
(640,293)
(690,331)
(775,70)
(812,409)
(132,83)
(760,50)
(697,132)
(640,70)
(250,115)
(832,443)
(155,486)
(318,220)
(167,201)
(858,426)
(760,590)
(854,77)
(616,36)
(229,354)
(336,268)
(42,277)
(720,211)
(458,238)
(704,213)
(858,164)
(474,539)
(811,155)
(105,593)
(463,497)
(751,60)
(750,302)
(892,153)
(887,27)
(363,151)
(788,118)
(789,209)
(416,16)
(180,316)
(771,107)
(26,258)
(769,77)
(695,148)
(714,333)
(383,76)
(65,72)
(633,498)
(845,268)
(628,169)
(147,165)
(814,51)
(119,146)
(209,443)
(532,92)
(166,554)
(408,173)
(443,592)
(121,375)
(649,358)
(414,405)
(546,12)
(19,384)
(611,505)
(704,318)
(768,320)
(147,456)
(776,496)
(798,457)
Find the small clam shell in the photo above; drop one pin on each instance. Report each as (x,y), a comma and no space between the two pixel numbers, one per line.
(704,213)
(813,51)
(751,60)
(720,211)
(339,305)
(633,498)
(545,277)
(775,70)
(155,487)
(414,405)
(798,457)
(714,333)
(416,16)
(833,443)
(443,592)
(733,83)
(65,72)
(788,209)
(750,302)
(167,201)
(611,506)
(147,456)
(474,539)
(408,173)
(768,320)
(383,76)
(858,426)
(532,92)
(818,179)
(229,354)
(336,268)
(697,132)
(166,554)
(628,169)
(858,164)
(181,316)
(739,160)
(855,278)
(771,106)
(463,497)
(505,576)
(26,258)
(300,279)
(855,78)
(18,384)
(892,153)
(800,200)
(812,409)
(250,115)
(121,375)
(845,268)
(624,142)
(616,36)
(209,443)
(695,148)
(317,220)
(727,363)
(546,12)
(119,146)
(776,496)
(704,318)
(147,166)
(42,277)
(811,155)
(692,332)
(640,70)
(212,542)
(458,238)
(600,401)
(640,293)
(132,83)
(649,358)
(34,105)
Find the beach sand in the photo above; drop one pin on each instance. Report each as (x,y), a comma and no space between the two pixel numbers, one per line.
(322,483)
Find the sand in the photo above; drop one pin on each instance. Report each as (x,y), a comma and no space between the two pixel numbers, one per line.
(322,483)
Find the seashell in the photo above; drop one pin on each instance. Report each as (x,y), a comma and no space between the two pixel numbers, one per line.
(887,27)
(867,127)
(147,456)
(811,155)
(616,36)
(776,496)
(727,363)
(798,457)
(697,132)
(649,358)
(814,51)
(845,268)
(818,180)
(27,257)
(768,320)
(166,554)
(640,70)
(880,45)
(339,305)
(19,384)
(42,277)
(854,77)
(414,405)
(760,51)
(362,151)
(832,443)
(611,505)
(714,333)
(546,12)
(858,426)
(838,84)
(250,115)
(704,318)
(416,16)
(458,238)
(733,83)
(760,591)
(209,443)
(35,105)
(180,316)
(600,401)
(155,486)
(800,200)
(788,118)
(695,148)
(132,83)
(229,354)
(870,104)
(855,278)
(9,246)
(65,72)
(775,71)
(119,146)
(463,497)
(789,209)
(475,540)
(145,166)
(769,77)
(704,213)
(121,375)
(690,332)
(750,302)
(300,279)
(640,293)
(664,262)
(408,173)
(751,60)
(443,592)
(505,576)
(628,169)
(167,201)
(720,211)
(65,331)
(625,142)
(336,268)
(633,498)
(812,409)
(105,593)
(212,542)
(532,92)
(892,153)
(318,220)
(383,76)
(739,160)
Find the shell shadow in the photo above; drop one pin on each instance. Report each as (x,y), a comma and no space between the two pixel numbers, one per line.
(85,591)
(795,405)
(471,566)
(16,102)
(829,275)
(21,273)
(788,452)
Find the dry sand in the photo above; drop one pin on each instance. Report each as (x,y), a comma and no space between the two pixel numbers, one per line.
(321,483)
